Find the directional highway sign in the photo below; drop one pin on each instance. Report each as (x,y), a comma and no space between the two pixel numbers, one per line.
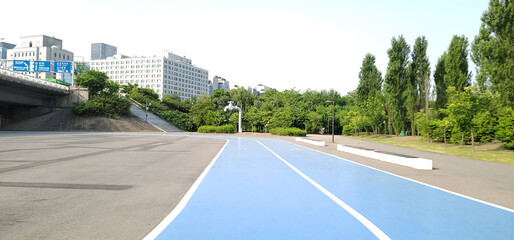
(62,67)
(21,65)
(41,66)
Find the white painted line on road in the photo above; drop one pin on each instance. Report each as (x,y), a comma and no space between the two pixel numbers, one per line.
(412,180)
(182,204)
(368,224)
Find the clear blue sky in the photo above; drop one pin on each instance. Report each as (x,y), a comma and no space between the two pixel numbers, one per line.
(282,44)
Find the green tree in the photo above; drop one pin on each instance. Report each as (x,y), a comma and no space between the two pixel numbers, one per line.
(127,89)
(396,80)
(370,79)
(464,107)
(95,81)
(456,64)
(147,92)
(214,118)
(418,70)
(200,109)
(440,84)
(493,50)
(505,128)
(242,97)
(220,98)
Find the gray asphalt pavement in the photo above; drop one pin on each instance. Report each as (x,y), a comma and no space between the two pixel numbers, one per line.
(94,186)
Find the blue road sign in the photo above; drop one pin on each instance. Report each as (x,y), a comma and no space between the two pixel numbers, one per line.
(41,66)
(62,67)
(21,65)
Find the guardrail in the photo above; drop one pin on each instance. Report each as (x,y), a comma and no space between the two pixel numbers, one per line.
(33,80)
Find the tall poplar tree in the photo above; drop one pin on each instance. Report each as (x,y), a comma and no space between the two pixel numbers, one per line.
(396,81)
(440,85)
(370,79)
(493,50)
(418,70)
(456,64)
(369,91)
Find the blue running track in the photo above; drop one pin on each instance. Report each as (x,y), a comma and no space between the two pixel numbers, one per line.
(271,189)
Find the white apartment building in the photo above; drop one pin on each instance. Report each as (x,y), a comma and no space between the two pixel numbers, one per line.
(167,74)
(40,48)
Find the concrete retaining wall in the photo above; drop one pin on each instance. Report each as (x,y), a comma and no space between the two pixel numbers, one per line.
(417,163)
(313,142)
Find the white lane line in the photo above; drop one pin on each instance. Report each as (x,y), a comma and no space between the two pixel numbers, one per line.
(368,224)
(412,180)
(182,204)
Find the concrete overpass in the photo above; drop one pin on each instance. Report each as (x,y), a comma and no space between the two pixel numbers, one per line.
(23,96)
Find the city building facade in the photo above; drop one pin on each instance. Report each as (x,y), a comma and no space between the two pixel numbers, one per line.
(260,89)
(218,83)
(40,48)
(166,74)
(102,51)
(4,46)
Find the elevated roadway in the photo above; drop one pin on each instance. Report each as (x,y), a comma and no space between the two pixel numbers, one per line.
(23,96)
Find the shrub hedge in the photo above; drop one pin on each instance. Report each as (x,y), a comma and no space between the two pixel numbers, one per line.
(108,106)
(288,131)
(227,128)
(178,119)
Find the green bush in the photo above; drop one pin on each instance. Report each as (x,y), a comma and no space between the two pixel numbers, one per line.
(348,130)
(288,131)
(176,104)
(227,128)
(505,127)
(176,118)
(107,106)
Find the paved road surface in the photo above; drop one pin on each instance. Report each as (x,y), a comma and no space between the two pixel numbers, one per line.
(270,189)
(120,186)
(94,186)
(488,181)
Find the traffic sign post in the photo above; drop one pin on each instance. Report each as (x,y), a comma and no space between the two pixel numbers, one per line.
(21,65)
(42,66)
(62,67)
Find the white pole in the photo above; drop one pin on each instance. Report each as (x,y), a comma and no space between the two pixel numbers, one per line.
(240,120)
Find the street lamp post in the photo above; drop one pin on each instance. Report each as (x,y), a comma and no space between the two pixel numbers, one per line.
(333,117)
(232,107)
(146,110)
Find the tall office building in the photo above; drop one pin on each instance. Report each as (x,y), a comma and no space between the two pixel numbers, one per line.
(40,48)
(3,49)
(218,83)
(165,74)
(102,51)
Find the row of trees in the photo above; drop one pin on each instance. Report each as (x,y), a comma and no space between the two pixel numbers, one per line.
(399,103)
(461,111)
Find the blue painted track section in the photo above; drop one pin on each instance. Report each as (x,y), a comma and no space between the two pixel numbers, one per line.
(250,194)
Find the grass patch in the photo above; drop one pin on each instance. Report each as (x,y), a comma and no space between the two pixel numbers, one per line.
(492,151)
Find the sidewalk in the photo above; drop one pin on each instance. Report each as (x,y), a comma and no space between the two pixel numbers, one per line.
(154,120)
(487,181)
